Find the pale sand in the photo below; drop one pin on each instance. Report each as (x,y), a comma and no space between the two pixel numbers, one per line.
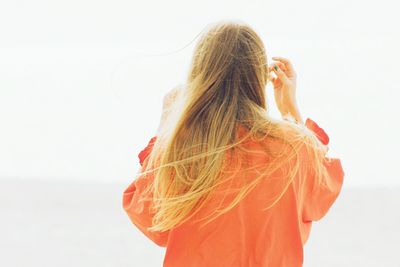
(57,223)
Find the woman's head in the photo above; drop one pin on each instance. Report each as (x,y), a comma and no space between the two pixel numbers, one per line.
(230,55)
(225,90)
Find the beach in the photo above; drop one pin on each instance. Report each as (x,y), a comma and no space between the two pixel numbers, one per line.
(72,223)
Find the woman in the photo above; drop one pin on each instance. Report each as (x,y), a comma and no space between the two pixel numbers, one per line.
(222,183)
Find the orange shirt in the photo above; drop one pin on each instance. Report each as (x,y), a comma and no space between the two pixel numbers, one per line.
(245,236)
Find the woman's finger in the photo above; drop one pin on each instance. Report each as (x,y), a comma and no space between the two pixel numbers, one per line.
(286,62)
(281,65)
(281,75)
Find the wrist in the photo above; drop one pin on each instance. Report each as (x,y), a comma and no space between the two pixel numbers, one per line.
(293,114)
(297,115)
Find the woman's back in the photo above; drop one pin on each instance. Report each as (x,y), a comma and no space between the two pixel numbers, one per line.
(246,235)
(214,199)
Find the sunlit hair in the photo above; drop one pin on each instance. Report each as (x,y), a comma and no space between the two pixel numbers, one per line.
(199,147)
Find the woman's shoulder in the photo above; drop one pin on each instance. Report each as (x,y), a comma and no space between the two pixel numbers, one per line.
(309,133)
(283,132)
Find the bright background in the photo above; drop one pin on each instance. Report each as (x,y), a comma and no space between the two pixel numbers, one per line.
(81,82)
(81,88)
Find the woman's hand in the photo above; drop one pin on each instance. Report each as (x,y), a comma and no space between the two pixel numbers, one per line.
(170,97)
(168,100)
(285,88)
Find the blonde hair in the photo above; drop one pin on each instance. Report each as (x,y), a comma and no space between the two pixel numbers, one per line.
(225,89)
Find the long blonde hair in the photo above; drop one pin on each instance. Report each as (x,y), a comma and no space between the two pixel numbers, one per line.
(225,89)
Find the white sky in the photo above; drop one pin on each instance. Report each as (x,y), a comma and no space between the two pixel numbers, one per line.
(79,98)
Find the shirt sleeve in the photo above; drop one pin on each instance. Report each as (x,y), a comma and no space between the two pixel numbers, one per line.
(318,198)
(137,203)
